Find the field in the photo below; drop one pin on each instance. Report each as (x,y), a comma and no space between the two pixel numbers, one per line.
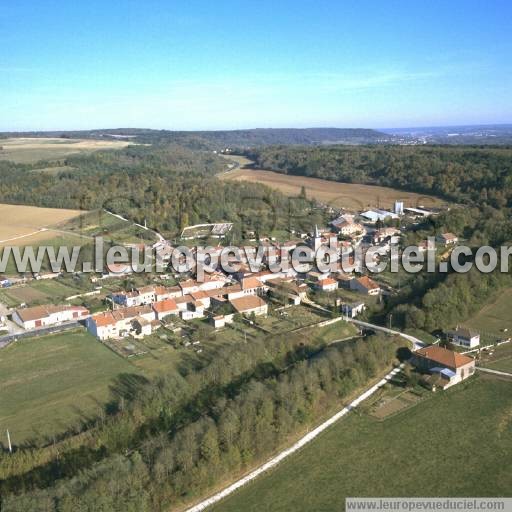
(33,149)
(499,358)
(456,443)
(42,291)
(492,320)
(24,225)
(52,382)
(346,195)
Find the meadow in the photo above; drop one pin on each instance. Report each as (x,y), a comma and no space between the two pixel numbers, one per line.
(53,382)
(346,195)
(494,319)
(456,443)
(33,149)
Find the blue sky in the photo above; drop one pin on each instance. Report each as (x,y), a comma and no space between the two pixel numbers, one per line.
(205,64)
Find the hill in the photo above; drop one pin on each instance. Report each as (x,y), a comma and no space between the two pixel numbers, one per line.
(227,138)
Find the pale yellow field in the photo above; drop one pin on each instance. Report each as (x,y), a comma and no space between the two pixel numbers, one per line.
(346,195)
(33,149)
(24,225)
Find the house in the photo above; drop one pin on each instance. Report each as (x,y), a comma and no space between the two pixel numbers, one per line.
(446,367)
(327,285)
(113,324)
(195,309)
(347,227)
(220,321)
(289,289)
(365,285)
(201,297)
(165,308)
(316,277)
(463,337)
(447,239)
(141,327)
(385,234)
(344,279)
(48,315)
(353,310)
(250,304)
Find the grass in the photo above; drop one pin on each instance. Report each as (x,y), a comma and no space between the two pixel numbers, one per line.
(456,443)
(492,320)
(499,358)
(31,149)
(52,382)
(347,195)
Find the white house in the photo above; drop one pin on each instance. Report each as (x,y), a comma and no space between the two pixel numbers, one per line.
(327,285)
(165,308)
(463,337)
(48,315)
(353,310)
(113,324)
(365,285)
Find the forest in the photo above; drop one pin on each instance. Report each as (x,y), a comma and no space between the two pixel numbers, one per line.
(458,173)
(167,186)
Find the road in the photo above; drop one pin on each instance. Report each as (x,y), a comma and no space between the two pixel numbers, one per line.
(9,338)
(295,447)
(416,343)
(156,233)
(495,372)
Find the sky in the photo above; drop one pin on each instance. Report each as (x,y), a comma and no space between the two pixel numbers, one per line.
(206,64)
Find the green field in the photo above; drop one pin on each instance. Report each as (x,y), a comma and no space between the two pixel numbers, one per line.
(456,443)
(53,382)
(492,320)
(499,359)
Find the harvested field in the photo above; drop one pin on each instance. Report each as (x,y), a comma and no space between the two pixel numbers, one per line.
(33,149)
(346,195)
(24,225)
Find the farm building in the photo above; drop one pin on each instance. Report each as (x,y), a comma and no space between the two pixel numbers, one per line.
(46,316)
(376,214)
(446,367)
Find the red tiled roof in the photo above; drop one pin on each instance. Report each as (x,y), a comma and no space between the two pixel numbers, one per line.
(444,356)
(247,303)
(164,306)
(368,283)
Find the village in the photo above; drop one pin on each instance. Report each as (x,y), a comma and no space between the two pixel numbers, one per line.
(172,306)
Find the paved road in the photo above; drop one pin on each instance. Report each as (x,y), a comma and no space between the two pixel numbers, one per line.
(295,447)
(417,343)
(495,372)
(8,339)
